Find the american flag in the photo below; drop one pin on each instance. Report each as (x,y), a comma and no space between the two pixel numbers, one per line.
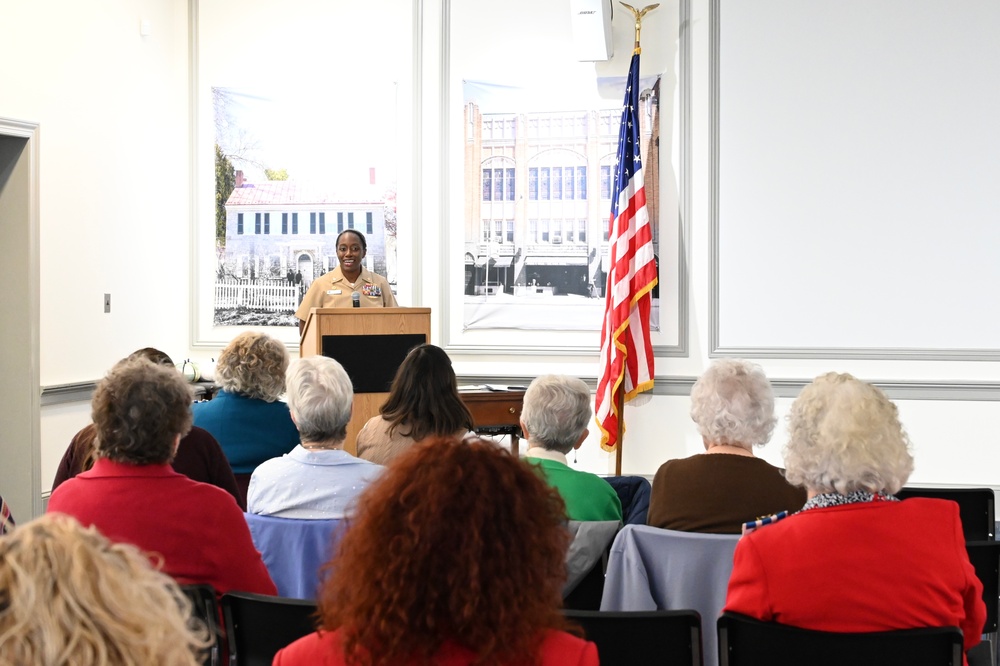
(626,350)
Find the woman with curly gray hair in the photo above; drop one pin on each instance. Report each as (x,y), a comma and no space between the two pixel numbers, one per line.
(246,417)
(716,492)
(856,559)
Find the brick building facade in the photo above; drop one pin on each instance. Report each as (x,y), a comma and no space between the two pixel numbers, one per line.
(538,196)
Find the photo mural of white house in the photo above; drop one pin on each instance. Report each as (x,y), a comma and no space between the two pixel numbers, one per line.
(281,235)
(288,180)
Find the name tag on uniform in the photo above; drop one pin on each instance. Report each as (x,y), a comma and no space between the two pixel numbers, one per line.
(334,292)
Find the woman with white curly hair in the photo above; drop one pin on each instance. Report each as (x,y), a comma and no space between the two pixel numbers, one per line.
(856,559)
(718,491)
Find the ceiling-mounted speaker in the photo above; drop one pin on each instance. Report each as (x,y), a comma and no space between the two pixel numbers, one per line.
(591,29)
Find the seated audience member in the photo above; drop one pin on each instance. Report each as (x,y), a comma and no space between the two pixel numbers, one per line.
(554,421)
(423,402)
(855,559)
(70,596)
(247,418)
(6,519)
(198,456)
(719,490)
(318,479)
(140,411)
(438,568)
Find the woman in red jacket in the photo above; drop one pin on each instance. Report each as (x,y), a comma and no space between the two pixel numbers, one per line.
(456,557)
(855,558)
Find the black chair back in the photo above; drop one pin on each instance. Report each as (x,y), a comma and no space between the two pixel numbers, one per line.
(985,558)
(257,626)
(975,507)
(626,638)
(744,641)
(205,607)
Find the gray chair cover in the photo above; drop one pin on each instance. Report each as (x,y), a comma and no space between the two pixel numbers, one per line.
(656,569)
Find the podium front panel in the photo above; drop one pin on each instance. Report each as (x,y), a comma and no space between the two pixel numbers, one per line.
(371,361)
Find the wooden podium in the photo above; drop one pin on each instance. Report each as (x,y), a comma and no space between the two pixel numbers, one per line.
(370,343)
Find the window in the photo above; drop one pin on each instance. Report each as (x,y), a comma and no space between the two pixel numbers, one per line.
(256,224)
(267,223)
(509,185)
(557,183)
(340,223)
(486,230)
(607,227)
(369,223)
(568,182)
(581,182)
(510,231)
(295,223)
(545,230)
(350,220)
(284,223)
(322,223)
(487,184)
(533,183)
(497,184)
(581,228)
(498,230)
(239,224)
(532,231)
(543,185)
(312,223)
(606,182)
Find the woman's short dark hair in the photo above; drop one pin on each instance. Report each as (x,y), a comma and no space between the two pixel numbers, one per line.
(456,541)
(424,398)
(139,409)
(361,237)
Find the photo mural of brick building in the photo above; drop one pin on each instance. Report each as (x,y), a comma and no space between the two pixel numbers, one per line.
(538,197)
(277,227)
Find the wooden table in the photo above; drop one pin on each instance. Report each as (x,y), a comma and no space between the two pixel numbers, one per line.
(496,413)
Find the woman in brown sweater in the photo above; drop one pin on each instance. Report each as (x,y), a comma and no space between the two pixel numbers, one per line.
(719,490)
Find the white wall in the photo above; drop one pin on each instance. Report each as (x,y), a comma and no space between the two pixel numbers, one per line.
(116,216)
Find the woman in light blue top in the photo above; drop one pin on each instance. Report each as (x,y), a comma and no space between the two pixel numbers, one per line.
(318,479)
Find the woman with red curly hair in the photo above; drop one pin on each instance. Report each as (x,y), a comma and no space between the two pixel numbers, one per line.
(456,556)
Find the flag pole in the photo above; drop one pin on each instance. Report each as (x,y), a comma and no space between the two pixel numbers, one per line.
(638,14)
(620,400)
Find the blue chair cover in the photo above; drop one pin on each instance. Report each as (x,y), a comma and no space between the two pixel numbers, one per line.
(294,550)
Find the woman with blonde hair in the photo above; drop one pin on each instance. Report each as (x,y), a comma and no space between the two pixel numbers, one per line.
(855,559)
(246,417)
(437,568)
(68,596)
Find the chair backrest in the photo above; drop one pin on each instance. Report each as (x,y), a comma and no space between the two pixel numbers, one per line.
(655,569)
(205,607)
(976,507)
(744,641)
(586,561)
(634,493)
(257,626)
(985,558)
(643,637)
(294,551)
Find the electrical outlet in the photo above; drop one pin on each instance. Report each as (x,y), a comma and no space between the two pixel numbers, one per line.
(107,303)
